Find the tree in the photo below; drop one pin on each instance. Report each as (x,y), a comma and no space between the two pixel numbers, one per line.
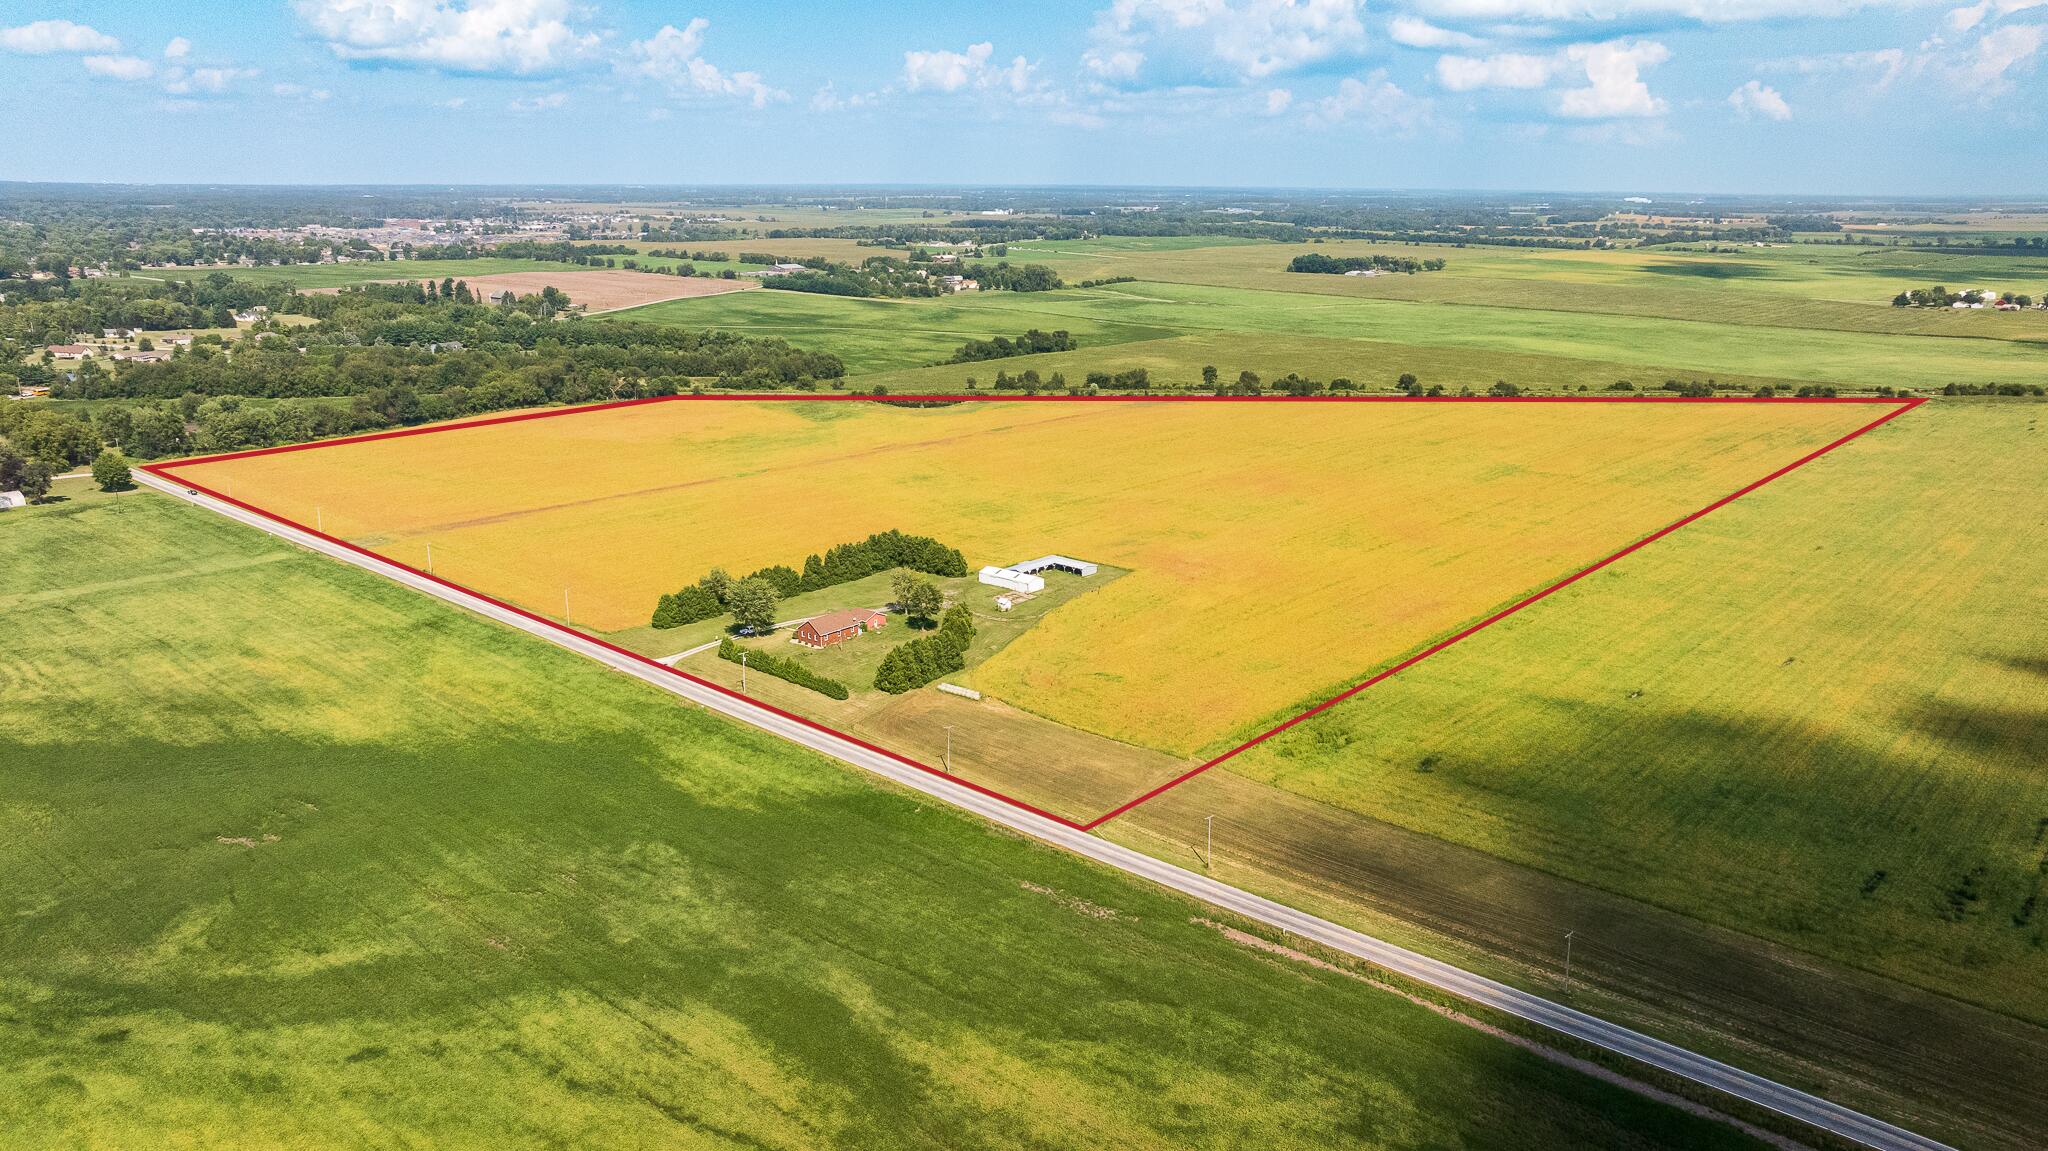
(110,471)
(752,602)
(35,480)
(718,584)
(11,465)
(1407,382)
(919,598)
(1209,375)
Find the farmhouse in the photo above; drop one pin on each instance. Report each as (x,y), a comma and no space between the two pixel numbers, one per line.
(1013,580)
(839,626)
(69,351)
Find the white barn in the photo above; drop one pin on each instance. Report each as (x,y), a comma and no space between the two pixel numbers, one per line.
(1011,579)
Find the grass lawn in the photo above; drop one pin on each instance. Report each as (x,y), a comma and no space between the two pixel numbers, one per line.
(293,857)
(854,663)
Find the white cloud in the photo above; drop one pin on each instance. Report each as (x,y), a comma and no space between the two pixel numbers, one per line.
(1422,34)
(541,103)
(45,37)
(120,67)
(674,57)
(1964,19)
(945,71)
(1113,63)
(207,81)
(1503,70)
(1887,63)
(828,99)
(300,92)
(1756,98)
(1704,11)
(1377,103)
(1241,39)
(2000,51)
(178,48)
(517,36)
(1278,100)
(1615,85)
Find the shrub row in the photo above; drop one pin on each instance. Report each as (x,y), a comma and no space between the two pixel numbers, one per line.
(914,664)
(780,668)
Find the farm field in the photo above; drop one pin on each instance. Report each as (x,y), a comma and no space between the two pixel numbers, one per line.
(607,289)
(293,856)
(309,276)
(1816,715)
(1250,531)
(883,335)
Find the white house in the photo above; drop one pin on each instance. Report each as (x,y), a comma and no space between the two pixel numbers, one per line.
(1012,580)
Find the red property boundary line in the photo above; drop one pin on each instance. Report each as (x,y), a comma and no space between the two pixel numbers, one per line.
(1898,407)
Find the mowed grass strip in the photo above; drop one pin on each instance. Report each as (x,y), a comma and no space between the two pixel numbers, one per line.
(293,857)
(1277,551)
(1818,715)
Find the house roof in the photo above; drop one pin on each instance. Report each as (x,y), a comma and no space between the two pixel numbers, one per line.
(833,621)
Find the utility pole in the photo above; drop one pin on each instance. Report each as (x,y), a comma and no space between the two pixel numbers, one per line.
(1209,853)
(565,606)
(1568,955)
(430,559)
(743,672)
(949,747)
(319,524)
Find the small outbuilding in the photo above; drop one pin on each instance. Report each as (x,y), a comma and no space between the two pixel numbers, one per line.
(13,500)
(839,626)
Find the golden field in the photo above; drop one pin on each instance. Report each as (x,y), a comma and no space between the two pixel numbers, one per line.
(1278,551)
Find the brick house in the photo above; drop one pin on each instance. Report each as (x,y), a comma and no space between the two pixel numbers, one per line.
(839,626)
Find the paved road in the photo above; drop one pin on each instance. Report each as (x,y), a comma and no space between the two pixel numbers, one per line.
(1475,988)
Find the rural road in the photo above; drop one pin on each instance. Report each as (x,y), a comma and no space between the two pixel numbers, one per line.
(1756,1089)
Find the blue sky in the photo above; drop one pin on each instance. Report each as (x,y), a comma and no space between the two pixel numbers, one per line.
(1796,96)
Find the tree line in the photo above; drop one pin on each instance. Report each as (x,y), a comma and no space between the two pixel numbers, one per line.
(1317,262)
(717,593)
(911,665)
(1031,343)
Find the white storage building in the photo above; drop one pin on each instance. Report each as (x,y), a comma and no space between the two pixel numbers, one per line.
(1012,580)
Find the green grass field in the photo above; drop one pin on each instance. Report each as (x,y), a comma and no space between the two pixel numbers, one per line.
(292,857)
(1585,330)
(1815,716)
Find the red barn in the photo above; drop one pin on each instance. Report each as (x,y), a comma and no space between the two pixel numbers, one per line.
(838,627)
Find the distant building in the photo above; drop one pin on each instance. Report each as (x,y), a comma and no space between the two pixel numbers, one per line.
(1012,580)
(839,626)
(1058,563)
(69,351)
